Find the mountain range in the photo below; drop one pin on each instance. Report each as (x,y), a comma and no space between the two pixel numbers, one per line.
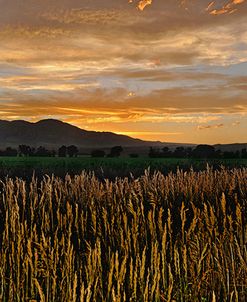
(52,134)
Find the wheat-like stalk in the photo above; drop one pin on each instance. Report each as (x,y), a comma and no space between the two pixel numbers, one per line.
(180,237)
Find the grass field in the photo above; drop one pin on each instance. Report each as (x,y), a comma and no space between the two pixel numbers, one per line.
(180,237)
(104,167)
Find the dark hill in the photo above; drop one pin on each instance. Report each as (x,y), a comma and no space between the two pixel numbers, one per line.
(54,133)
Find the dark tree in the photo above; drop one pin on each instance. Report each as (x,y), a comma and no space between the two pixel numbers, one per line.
(42,151)
(62,151)
(154,153)
(72,151)
(180,152)
(204,151)
(10,152)
(151,152)
(165,149)
(133,155)
(116,151)
(98,153)
(244,153)
(25,150)
(53,153)
(231,154)
(228,154)
(166,152)
(188,152)
(218,154)
(32,152)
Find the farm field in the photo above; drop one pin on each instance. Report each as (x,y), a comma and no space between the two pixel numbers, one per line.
(180,237)
(123,151)
(105,167)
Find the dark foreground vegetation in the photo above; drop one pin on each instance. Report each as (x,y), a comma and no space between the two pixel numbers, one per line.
(26,167)
(199,151)
(180,237)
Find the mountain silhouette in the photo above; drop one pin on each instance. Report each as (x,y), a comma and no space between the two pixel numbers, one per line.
(54,133)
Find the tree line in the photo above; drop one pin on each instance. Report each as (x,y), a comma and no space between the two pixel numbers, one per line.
(114,152)
(200,151)
(28,151)
(63,151)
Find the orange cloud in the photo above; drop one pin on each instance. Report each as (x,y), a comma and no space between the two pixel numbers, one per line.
(210,5)
(143,3)
(228,8)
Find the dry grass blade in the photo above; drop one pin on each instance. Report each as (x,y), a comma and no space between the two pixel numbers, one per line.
(180,237)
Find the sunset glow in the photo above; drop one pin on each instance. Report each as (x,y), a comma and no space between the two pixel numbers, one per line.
(157,70)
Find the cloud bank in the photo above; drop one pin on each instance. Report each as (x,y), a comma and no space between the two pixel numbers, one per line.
(157,68)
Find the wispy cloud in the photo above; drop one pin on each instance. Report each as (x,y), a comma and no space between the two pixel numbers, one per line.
(236,123)
(214,7)
(229,8)
(209,127)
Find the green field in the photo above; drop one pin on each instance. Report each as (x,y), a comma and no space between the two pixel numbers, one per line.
(105,167)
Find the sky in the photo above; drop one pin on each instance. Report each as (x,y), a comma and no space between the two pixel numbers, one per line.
(167,70)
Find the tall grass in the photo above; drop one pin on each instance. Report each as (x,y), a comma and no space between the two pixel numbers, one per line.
(180,237)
